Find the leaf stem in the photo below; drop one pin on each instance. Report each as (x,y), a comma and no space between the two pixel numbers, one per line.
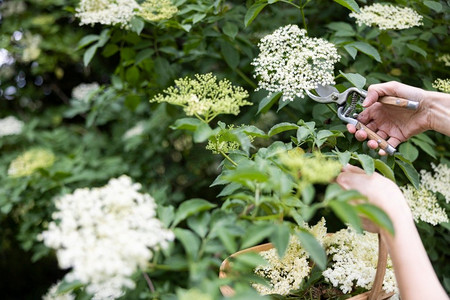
(228,158)
(245,77)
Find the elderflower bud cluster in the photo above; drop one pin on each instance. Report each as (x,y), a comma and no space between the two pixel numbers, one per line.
(438,181)
(204,96)
(354,259)
(311,169)
(387,16)
(445,58)
(157,10)
(291,62)
(442,85)
(105,234)
(30,161)
(107,12)
(84,91)
(10,126)
(287,273)
(424,205)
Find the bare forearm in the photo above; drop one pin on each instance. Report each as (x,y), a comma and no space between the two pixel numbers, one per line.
(414,272)
(439,111)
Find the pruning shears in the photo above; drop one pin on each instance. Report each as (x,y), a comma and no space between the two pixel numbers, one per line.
(347,102)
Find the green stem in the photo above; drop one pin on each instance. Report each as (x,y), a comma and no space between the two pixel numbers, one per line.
(293,4)
(303,18)
(245,77)
(228,158)
(331,108)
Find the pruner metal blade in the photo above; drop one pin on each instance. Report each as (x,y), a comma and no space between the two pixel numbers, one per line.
(329,94)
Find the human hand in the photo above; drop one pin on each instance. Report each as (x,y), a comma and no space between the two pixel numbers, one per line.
(392,123)
(379,190)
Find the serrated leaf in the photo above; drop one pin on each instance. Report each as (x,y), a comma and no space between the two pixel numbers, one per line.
(256,233)
(367,163)
(347,213)
(189,208)
(282,127)
(417,49)
(367,49)
(254,131)
(244,174)
(190,124)
(426,147)
(315,250)
(351,50)
(229,189)
(199,224)
(267,102)
(343,157)
(190,242)
(280,238)
(230,29)
(376,215)
(384,169)
(410,172)
(409,151)
(203,132)
(88,39)
(253,12)
(434,5)
(230,54)
(350,4)
(356,79)
(89,54)
(137,24)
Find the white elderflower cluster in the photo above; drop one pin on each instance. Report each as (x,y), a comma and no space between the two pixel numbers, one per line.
(136,130)
(291,62)
(424,205)
(438,182)
(287,273)
(354,259)
(30,161)
(84,91)
(107,12)
(10,126)
(105,234)
(445,58)
(205,96)
(157,10)
(442,85)
(387,16)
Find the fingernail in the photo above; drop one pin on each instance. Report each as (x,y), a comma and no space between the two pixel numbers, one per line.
(365,102)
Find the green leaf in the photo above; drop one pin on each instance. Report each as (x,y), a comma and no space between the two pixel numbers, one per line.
(350,4)
(351,50)
(190,242)
(410,172)
(110,50)
(230,54)
(137,24)
(347,213)
(409,151)
(132,101)
(417,49)
(230,29)
(254,131)
(367,49)
(282,127)
(199,224)
(244,174)
(89,54)
(227,239)
(66,287)
(315,250)
(132,75)
(197,18)
(308,193)
(376,215)
(367,163)
(384,169)
(144,54)
(267,102)
(253,12)
(342,29)
(357,80)
(344,157)
(256,233)
(434,5)
(280,238)
(251,259)
(202,133)
(189,208)
(190,124)
(88,39)
(426,147)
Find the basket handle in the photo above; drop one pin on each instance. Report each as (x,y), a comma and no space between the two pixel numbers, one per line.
(377,286)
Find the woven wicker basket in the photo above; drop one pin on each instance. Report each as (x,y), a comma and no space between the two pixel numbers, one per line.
(376,293)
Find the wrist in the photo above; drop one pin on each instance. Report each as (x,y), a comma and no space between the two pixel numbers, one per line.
(437,111)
